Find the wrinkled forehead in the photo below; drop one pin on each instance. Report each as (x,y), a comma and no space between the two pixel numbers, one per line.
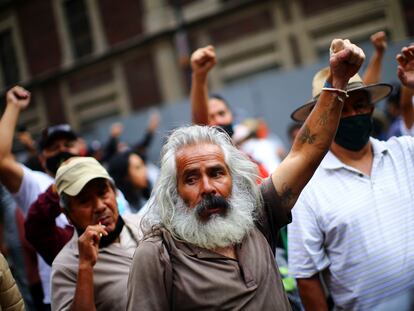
(196,155)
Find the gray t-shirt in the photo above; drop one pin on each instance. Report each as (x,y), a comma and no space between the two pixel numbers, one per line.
(170,275)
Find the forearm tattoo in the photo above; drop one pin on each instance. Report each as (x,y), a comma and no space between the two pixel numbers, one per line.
(286,196)
(323,120)
(306,136)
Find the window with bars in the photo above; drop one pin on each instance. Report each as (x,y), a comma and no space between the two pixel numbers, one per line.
(79,27)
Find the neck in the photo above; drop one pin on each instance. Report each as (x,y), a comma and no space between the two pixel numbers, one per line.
(361,159)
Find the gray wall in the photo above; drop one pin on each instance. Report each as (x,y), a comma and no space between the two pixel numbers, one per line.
(271,95)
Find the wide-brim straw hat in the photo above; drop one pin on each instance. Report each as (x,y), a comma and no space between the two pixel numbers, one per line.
(376,91)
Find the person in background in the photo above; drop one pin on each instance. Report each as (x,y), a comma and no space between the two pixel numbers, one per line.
(353,225)
(91,271)
(58,142)
(131,177)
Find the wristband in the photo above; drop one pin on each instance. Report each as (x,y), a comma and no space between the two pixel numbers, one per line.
(339,91)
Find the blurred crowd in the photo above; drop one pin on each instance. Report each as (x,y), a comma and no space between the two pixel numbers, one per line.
(73,213)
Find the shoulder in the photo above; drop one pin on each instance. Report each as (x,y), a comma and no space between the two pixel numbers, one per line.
(401,142)
(67,256)
(149,247)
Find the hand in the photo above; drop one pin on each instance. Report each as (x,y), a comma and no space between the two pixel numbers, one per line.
(116,129)
(203,60)
(18,97)
(345,60)
(154,121)
(25,139)
(379,41)
(405,69)
(88,244)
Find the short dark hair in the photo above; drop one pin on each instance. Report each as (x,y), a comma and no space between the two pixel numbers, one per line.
(220,97)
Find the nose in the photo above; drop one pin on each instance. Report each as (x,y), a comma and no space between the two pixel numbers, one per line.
(207,186)
(98,205)
(62,148)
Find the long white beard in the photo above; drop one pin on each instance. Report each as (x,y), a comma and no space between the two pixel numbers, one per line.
(219,230)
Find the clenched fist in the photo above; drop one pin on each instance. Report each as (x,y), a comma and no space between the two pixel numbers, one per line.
(345,60)
(405,70)
(18,96)
(203,60)
(379,41)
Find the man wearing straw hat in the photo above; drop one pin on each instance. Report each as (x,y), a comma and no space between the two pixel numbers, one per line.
(353,225)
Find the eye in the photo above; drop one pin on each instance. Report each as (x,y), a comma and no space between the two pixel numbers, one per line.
(190,180)
(217,173)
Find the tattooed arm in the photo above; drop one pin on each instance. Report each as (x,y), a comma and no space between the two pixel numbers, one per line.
(318,130)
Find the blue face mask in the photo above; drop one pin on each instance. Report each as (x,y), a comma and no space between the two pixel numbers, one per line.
(353,132)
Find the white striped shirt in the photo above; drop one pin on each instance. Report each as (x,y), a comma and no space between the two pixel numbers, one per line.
(359,227)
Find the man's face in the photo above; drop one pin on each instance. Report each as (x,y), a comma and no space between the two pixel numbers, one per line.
(59,145)
(95,204)
(357,104)
(202,171)
(218,112)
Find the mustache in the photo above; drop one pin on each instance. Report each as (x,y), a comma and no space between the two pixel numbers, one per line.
(211,201)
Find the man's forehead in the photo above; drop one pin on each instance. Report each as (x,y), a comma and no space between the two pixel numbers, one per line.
(194,156)
(215,104)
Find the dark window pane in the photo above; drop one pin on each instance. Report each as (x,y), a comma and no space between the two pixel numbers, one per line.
(8,59)
(79,27)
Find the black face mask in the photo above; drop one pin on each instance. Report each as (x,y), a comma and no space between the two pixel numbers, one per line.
(53,163)
(111,237)
(353,132)
(227,128)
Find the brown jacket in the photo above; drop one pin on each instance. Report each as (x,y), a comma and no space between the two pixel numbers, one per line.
(10,297)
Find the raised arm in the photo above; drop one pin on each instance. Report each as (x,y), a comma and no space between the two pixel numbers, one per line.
(318,130)
(40,226)
(373,72)
(202,61)
(11,173)
(406,75)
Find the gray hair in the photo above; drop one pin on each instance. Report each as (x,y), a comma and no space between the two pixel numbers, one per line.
(162,204)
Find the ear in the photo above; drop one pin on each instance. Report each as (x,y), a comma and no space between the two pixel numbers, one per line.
(42,160)
(65,212)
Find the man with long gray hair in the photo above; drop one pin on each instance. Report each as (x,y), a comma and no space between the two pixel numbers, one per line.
(210,230)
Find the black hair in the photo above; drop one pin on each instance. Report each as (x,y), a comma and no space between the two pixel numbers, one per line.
(118,169)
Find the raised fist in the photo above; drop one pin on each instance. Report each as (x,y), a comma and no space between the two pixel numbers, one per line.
(202,60)
(116,129)
(345,60)
(405,69)
(18,96)
(379,41)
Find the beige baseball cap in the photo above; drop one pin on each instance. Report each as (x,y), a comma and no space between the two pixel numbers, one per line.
(76,172)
